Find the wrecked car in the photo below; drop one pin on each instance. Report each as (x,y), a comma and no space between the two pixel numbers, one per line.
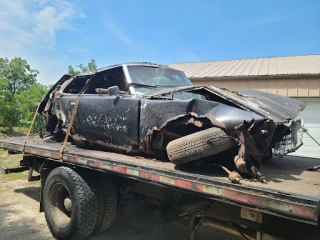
(151,109)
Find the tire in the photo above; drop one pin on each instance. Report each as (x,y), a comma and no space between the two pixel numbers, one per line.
(66,219)
(81,144)
(107,205)
(198,145)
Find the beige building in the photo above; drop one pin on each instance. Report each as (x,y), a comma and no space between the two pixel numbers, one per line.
(292,76)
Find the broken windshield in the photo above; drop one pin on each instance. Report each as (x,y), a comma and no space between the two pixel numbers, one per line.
(148,79)
(149,75)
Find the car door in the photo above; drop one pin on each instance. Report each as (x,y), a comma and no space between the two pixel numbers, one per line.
(111,120)
(104,119)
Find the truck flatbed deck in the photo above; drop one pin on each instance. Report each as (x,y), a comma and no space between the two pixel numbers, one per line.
(291,192)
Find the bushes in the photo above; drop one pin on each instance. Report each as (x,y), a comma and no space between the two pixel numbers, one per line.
(19,93)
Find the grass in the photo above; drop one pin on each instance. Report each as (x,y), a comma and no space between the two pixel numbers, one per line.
(12,160)
(17,131)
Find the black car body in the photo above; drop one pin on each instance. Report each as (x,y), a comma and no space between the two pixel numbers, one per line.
(154,104)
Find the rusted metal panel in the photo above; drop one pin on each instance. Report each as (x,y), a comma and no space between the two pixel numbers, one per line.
(276,105)
(157,114)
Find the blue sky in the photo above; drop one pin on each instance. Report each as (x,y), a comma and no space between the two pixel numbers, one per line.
(51,34)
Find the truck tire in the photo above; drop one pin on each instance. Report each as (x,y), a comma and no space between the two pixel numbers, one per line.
(107,205)
(70,204)
(198,145)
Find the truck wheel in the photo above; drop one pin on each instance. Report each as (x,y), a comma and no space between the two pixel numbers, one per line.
(107,205)
(70,204)
(198,145)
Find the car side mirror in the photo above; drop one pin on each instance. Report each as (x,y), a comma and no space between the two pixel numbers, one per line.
(114,90)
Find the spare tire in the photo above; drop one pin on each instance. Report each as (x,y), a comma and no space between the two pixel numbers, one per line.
(199,145)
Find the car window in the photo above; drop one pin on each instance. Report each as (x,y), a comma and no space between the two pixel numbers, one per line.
(76,85)
(108,78)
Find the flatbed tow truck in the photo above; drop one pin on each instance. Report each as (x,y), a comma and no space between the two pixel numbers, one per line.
(287,207)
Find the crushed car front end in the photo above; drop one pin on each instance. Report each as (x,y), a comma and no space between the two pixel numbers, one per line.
(256,122)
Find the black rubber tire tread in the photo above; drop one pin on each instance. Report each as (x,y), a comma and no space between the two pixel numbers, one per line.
(84,204)
(198,145)
(81,144)
(108,205)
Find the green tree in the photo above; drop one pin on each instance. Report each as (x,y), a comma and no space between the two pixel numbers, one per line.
(27,102)
(71,70)
(16,76)
(6,106)
(91,66)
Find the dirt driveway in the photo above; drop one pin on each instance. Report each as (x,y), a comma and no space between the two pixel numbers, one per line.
(20,217)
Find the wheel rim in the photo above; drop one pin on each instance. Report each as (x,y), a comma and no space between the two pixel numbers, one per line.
(60,205)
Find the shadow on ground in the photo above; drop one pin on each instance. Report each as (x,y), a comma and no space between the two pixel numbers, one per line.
(143,222)
(31,192)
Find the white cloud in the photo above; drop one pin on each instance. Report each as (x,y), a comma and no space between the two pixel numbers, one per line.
(28,29)
(118,33)
(135,45)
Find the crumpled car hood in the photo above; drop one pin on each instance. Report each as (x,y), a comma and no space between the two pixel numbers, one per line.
(279,109)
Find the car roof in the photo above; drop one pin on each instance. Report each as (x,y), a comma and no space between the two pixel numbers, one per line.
(146,64)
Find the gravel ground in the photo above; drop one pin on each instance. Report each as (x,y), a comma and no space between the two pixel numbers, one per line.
(20,218)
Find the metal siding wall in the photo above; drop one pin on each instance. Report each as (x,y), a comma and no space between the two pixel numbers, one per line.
(292,87)
(252,84)
(314,86)
(303,86)
(311,116)
(272,86)
(282,87)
